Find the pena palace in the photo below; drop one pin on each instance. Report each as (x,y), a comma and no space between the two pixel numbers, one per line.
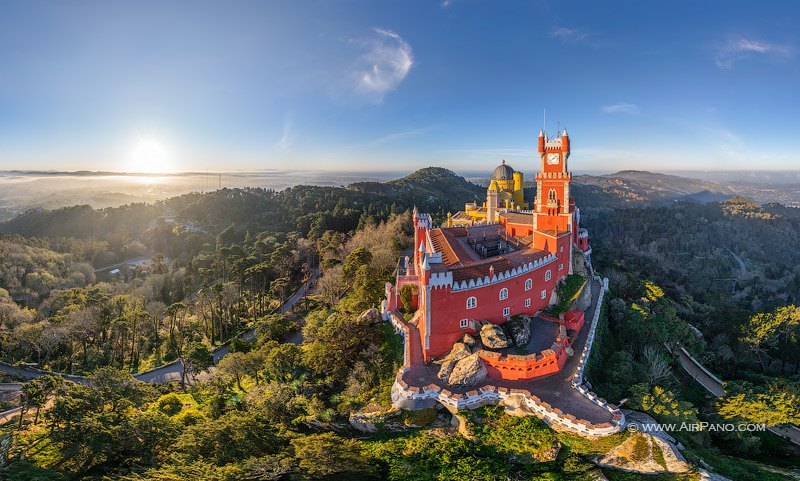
(495,261)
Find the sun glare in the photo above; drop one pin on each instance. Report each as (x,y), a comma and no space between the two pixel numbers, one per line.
(150,157)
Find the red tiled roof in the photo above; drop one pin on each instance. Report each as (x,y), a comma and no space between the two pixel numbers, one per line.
(518,217)
(500,263)
(465,264)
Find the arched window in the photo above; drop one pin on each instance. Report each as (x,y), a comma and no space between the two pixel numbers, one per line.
(544,294)
(528,284)
(551,197)
(548,275)
(503,293)
(472,303)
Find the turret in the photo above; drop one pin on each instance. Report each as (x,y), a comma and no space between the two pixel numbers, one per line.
(565,142)
(541,142)
(491,202)
(517,194)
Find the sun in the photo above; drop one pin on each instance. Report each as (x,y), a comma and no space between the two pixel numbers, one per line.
(149,156)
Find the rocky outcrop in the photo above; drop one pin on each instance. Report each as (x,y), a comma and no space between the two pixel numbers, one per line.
(579,263)
(366,422)
(372,315)
(469,341)
(638,454)
(448,362)
(520,328)
(468,371)
(493,337)
(584,299)
(644,452)
(707,476)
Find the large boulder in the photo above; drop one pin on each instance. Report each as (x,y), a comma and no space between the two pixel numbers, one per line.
(469,340)
(448,362)
(372,315)
(493,337)
(520,328)
(468,371)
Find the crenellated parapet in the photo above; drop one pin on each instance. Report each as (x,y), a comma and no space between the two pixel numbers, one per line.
(441,279)
(503,276)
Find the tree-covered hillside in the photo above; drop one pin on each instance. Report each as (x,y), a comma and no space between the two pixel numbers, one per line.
(718,278)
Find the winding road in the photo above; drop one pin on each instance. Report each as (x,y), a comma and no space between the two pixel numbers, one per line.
(715,386)
(172,371)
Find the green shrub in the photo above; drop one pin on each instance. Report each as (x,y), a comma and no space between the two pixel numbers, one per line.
(169,404)
(420,418)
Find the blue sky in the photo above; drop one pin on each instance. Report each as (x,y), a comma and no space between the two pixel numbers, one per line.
(368,85)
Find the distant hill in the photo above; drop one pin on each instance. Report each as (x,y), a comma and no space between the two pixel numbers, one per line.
(304,208)
(434,187)
(632,187)
(312,209)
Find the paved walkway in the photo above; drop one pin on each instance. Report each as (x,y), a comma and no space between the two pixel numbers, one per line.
(555,390)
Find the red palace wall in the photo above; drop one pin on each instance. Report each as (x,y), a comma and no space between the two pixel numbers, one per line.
(516,230)
(448,307)
(532,366)
(524,368)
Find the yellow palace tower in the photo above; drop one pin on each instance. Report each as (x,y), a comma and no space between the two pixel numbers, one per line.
(504,193)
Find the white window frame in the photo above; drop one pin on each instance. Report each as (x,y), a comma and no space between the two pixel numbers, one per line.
(528,284)
(503,293)
(548,274)
(463,323)
(472,302)
(528,302)
(561,267)
(506,311)
(544,294)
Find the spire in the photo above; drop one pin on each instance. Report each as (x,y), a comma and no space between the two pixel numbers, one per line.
(565,134)
(541,132)
(425,265)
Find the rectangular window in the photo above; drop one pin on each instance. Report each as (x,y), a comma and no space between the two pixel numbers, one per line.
(544,294)
(464,323)
(527,302)
(561,249)
(561,267)
(506,312)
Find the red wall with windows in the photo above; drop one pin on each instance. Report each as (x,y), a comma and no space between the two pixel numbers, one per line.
(448,307)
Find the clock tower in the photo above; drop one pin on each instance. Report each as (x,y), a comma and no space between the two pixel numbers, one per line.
(553,206)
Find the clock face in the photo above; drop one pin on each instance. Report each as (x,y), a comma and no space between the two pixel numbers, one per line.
(553,159)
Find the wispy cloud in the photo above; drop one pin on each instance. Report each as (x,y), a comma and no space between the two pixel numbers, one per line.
(446,3)
(620,108)
(569,35)
(729,144)
(288,137)
(740,48)
(385,65)
(390,138)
